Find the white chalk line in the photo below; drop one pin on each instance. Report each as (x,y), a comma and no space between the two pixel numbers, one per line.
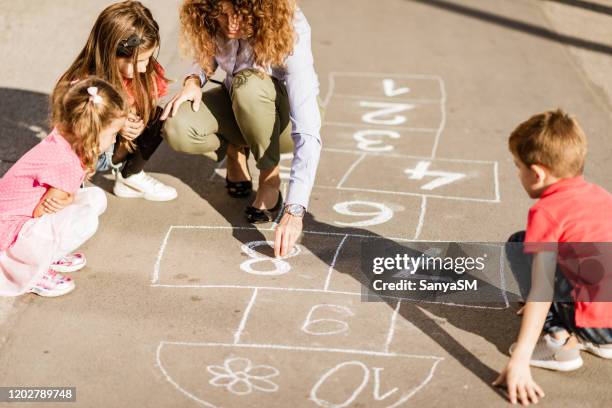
(419,387)
(434,150)
(368,126)
(331,85)
(322,292)
(406,193)
(160,255)
(417,101)
(385,74)
(419,227)
(391,331)
(245,317)
(217,167)
(300,348)
(502,279)
(496,180)
(363,126)
(436,361)
(333,264)
(174,383)
(350,169)
(406,156)
(373,236)
(332,81)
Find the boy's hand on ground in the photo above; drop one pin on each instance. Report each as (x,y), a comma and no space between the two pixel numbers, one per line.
(287,233)
(190,92)
(516,376)
(133,127)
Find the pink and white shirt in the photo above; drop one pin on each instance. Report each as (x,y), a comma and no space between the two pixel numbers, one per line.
(51,163)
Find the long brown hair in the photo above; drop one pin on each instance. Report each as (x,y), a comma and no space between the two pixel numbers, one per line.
(122,30)
(80,120)
(268,23)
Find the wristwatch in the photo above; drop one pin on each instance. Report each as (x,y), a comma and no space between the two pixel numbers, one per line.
(295,210)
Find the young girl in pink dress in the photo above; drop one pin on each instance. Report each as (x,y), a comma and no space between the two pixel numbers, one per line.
(44,215)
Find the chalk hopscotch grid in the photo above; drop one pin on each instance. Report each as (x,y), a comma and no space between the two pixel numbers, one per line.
(237,344)
(403,399)
(390,334)
(442,101)
(155,280)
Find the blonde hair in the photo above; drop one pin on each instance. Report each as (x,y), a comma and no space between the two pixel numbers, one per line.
(552,139)
(122,30)
(268,25)
(80,118)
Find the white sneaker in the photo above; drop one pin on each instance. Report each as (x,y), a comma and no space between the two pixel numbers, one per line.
(141,185)
(600,350)
(550,354)
(52,284)
(70,263)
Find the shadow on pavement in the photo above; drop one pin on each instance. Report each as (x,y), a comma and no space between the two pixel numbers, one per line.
(517,25)
(586,5)
(23,123)
(491,324)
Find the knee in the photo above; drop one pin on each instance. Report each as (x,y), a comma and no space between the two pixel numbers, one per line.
(251,88)
(90,224)
(175,134)
(94,198)
(181,135)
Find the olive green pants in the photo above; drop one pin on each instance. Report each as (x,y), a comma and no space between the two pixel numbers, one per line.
(255,115)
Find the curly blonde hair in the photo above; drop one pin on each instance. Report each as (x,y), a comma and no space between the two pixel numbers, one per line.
(80,120)
(268,23)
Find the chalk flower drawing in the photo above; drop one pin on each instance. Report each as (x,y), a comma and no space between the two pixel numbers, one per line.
(240,376)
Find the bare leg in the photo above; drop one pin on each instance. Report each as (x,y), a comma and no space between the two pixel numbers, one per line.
(269,186)
(237,167)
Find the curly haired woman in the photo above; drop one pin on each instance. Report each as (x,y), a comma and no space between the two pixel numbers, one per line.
(268,103)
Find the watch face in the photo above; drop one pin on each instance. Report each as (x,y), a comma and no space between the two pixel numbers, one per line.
(296,210)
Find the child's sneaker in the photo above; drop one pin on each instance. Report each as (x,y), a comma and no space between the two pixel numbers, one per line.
(70,263)
(600,350)
(141,185)
(551,355)
(52,284)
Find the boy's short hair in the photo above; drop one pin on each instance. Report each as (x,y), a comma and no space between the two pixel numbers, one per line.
(552,139)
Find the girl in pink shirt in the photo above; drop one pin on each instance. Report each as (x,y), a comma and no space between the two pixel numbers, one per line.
(43,214)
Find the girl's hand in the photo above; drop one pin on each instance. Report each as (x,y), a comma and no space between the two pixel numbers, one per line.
(190,92)
(54,204)
(53,201)
(516,376)
(133,127)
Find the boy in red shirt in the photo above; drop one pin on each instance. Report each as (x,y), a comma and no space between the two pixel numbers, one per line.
(563,227)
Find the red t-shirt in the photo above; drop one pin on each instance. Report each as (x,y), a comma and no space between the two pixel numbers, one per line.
(574,211)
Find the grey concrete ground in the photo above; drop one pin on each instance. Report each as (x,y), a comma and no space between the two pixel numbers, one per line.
(173,310)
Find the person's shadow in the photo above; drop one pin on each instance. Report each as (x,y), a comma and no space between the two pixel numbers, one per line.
(492,324)
(24,123)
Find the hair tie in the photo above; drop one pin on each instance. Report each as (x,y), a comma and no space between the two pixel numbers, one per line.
(93,95)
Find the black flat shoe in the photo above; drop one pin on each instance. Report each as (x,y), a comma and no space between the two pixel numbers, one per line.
(240,189)
(257,216)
